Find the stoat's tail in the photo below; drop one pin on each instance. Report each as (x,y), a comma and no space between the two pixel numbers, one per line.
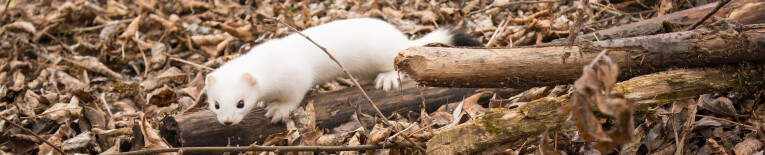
(447,36)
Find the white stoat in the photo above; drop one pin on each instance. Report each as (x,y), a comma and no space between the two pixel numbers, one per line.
(279,72)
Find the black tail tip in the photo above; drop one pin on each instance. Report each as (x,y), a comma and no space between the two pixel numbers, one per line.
(460,38)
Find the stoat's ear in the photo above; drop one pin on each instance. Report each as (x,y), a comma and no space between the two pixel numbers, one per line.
(210,80)
(247,77)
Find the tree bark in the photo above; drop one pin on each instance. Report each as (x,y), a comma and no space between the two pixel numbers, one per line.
(202,129)
(676,21)
(545,66)
(514,126)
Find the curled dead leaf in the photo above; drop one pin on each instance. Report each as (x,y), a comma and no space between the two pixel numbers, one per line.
(20,26)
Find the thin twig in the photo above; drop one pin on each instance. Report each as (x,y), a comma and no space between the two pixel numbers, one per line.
(190,63)
(501,29)
(7,3)
(33,134)
(612,11)
(512,3)
(80,29)
(602,53)
(720,4)
(106,105)
(407,128)
(406,137)
(63,45)
(727,121)
(364,93)
(272,148)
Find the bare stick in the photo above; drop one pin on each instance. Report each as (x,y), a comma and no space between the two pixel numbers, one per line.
(190,63)
(33,134)
(512,3)
(272,148)
(364,93)
(63,45)
(717,8)
(7,3)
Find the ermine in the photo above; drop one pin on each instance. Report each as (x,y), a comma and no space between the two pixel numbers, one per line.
(279,72)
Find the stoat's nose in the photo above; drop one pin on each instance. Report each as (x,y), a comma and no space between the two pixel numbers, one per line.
(228,122)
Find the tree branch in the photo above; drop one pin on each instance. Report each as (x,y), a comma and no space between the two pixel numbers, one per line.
(273,148)
(717,8)
(33,134)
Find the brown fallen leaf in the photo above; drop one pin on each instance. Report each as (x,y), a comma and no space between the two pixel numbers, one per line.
(113,132)
(62,111)
(241,31)
(332,139)
(83,141)
(158,59)
(161,97)
(92,64)
(721,105)
(277,138)
(18,81)
(471,106)
(310,138)
(544,145)
(20,26)
(716,148)
(353,141)
(498,102)
(377,134)
(151,138)
(750,145)
(132,29)
(172,74)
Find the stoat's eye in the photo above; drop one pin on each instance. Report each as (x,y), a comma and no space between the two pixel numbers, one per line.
(217,106)
(240,105)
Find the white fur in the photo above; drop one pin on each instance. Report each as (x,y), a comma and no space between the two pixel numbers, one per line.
(285,68)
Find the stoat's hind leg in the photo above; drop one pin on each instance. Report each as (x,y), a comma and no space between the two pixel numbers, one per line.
(388,80)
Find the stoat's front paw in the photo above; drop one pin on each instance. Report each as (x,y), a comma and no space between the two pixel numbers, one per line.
(388,80)
(278,113)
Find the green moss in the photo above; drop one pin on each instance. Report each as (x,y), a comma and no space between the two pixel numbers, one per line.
(621,89)
(666,98)
(678,80)
(489,126)
(542,107)
(746,79)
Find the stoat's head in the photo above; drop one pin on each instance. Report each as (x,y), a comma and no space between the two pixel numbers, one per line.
(231,97)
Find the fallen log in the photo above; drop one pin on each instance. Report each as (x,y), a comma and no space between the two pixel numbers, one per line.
(202,129)
(514,126)
(546,66)
(678,20)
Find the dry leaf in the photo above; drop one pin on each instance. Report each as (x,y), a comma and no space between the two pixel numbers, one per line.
(471,106)
(750,145)
(92,64)
(132,29)
(721,105)
(377,134)
(162,97)
(20,26)
(241,31)
(288,136)
(62,111)
(151,138)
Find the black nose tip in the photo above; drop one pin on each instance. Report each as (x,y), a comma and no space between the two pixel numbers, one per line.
(228,123)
